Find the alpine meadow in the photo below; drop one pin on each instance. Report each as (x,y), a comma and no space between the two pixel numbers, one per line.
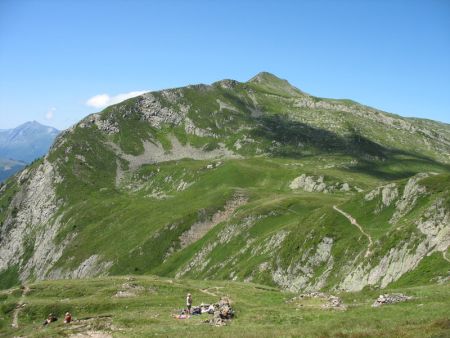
(300,210)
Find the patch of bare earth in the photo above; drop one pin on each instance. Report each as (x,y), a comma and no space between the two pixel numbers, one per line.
(199,229)
(91,334)
(92,327)
(20,305)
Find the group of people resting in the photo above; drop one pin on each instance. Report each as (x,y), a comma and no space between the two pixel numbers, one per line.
(52,318)
(186,313)
(197,310)
(183,315)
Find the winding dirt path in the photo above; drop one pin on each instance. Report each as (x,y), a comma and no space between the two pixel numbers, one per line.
(355,223)
(19,306)
(208,292)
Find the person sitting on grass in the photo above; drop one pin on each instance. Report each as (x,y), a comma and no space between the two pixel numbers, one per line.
(67,318)
(183,315)
(50,319)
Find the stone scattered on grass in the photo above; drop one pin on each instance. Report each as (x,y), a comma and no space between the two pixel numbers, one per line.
(92,327)
(129,289)
(390,299)
(329,301)
(334,303)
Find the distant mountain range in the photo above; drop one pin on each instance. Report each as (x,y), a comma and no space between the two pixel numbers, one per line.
(22,145)
(9,167)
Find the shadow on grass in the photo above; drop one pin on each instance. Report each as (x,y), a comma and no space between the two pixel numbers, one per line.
(300,140)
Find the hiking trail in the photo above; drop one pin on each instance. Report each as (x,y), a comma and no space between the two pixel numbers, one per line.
(355,223)
(208,292)
(19,306)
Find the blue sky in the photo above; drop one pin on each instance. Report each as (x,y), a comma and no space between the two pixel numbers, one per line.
(58,56)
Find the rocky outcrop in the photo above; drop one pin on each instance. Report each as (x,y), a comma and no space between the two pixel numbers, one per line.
(308,183)
(317,184)
(299,275)
(387,193)
(154,152)
(434,228)
(200,260)
(105,125)
(157,114)
(191,128)
(435,225)
(412,191)
(31,228)
(29,237)
(93,266)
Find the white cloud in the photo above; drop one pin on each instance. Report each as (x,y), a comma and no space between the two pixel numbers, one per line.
(50,113)
(98,101)
(103,100)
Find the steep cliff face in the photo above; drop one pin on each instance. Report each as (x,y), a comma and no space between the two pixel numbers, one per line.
(30,226)
(253,181)
(429,231)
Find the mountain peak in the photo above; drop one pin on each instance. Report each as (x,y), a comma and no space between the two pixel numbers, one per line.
(27,141)
(35,125)
(265,77)
(274,84)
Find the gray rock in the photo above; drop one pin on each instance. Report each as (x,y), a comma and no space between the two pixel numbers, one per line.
(390,299)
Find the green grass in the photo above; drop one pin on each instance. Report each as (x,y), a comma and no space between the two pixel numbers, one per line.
(148,228)
(9,277)
(261,311)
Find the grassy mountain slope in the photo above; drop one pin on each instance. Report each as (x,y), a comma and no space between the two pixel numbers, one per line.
(239,181)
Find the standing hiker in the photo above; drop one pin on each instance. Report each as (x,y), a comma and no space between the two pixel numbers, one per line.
(189,302)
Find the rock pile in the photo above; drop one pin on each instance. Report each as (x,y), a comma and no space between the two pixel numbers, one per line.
(223,313)
(334,303)
(390,299)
